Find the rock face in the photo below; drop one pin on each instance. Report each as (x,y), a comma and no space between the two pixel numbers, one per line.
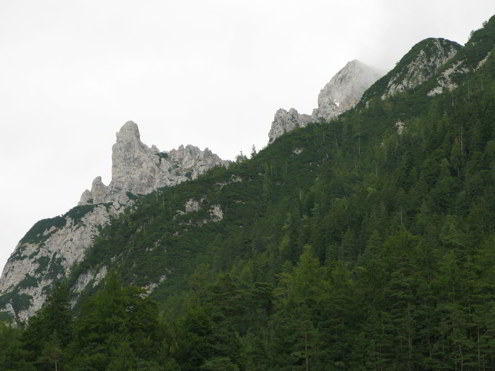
(339,95)
(473,56)
(286,121)
(52,246)
(445,79)
(344,90)
(419,65)
(46,254)
(138,169)
(422,65)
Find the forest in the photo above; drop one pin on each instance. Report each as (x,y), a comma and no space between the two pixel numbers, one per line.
(356,244)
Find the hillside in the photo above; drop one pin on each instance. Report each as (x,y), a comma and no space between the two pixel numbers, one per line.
(52,246)
(364,243)
(49,250)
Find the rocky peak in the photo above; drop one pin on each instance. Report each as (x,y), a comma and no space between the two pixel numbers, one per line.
(344,90)
(417,66)
(52,246)
(133,163)
(97,194)
(340,94)
(129,132)
(285,121)
(139,169)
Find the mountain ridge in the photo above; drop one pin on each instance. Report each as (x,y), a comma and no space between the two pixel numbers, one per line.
(363,243)
(52,246)
(102,203)
(417,66)
(341,93)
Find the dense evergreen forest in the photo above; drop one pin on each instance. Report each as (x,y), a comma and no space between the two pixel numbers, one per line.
(356,244)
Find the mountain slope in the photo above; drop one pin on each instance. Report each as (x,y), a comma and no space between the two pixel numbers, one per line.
(48,251)
(277,188)
(416,67)
(364,243)
(368,245)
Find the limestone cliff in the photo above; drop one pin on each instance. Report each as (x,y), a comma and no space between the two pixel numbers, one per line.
(285,121)
(45,254)
(344,90)
(52,246)
(418,66)
(341,93)
(139,169)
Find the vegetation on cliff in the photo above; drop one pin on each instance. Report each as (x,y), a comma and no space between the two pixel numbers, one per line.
(364,243)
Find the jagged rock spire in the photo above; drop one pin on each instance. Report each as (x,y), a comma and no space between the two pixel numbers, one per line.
(139,169)
(50,249)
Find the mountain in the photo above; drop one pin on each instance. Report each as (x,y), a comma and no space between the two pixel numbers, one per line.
(367,242)
(52,246)
(49,250)
(344,90)
(341,93)
(416,67)
(285,121)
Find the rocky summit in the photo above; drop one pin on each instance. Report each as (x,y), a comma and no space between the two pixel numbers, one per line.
(365,243)
(432,54)
(421,63)
(344,90)
(341,93)
(52,246)
(139,169)
(285,121)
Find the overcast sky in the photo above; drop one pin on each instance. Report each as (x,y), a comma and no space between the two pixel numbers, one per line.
(205,72)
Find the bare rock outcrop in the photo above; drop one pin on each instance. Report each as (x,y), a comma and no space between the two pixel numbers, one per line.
(139,169)
(340,94)
(344,90)
(422,65)
(419,65)
(52,246)
(285,121)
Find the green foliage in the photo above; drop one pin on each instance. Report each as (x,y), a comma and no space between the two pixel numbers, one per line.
(121,320)
(163,155)
(35,234)
(427,47)
(42,264)
(18,300)
(131,196)
(28,281)
(12,355)
(368,249)
(49,332)
(78,212)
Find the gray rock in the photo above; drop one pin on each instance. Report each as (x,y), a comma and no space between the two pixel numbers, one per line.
(421,66)
(192,206)
(138,169)
(216,213)
(423,62)
(285,121)
(97,194)
(45,257)
(34,266)
(445,80)
(339,95)
(344,90)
